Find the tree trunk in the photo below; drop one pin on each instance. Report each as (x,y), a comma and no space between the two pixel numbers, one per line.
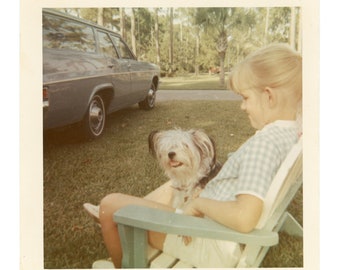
(158,52)
(133,32)
(197,52)
(221,47)
(171,45)
(222,76)
(292,27)
(100,16)
(299,39)
(122,22)
(266,27)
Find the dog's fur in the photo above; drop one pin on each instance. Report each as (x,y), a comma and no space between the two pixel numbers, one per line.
(188,158)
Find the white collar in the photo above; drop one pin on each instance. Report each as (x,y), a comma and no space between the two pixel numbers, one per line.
(282,124)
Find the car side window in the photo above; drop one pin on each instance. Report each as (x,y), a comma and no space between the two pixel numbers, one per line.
(124,51)
(59,33)
(106,45)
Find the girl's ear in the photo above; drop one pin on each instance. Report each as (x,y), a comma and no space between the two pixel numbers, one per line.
(271,96)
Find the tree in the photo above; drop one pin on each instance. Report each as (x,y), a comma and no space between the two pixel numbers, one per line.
(215,20)
(292,27)
(133,34)
(295,29)
(194,39)
(100,16)
(299,45)
(266,26)
(122,22)
(171,44)
(197,50)
(158,53)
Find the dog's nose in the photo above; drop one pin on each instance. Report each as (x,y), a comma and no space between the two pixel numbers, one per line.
(171,155)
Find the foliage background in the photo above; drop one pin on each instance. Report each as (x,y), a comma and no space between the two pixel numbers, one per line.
(196,39)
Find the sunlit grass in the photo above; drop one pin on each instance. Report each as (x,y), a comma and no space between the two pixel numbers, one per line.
(76,172)
(192,82)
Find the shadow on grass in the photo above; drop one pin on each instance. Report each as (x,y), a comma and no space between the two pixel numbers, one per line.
(72,134)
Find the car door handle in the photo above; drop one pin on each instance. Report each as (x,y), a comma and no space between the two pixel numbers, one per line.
(110,63)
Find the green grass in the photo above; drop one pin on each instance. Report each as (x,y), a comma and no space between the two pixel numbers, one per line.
(76,172)
(192,82)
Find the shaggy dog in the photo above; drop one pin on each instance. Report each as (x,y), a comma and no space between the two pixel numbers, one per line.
(188,159)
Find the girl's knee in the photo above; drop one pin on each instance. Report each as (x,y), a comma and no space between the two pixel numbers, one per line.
(109,204)
(110,199)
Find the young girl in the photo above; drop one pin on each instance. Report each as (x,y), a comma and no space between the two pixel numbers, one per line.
(270,82)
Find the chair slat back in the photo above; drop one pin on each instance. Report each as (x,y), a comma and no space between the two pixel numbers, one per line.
(288,173)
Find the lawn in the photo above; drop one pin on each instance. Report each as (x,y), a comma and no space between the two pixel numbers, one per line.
(191,81)
(76,171)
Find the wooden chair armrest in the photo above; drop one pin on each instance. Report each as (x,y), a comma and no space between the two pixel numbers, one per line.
(171,223)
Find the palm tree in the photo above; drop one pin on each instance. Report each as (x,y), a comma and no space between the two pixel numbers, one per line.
(224,24)
(216,21)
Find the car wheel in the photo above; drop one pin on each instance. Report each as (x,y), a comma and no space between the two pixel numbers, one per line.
(149,102)
(95,117)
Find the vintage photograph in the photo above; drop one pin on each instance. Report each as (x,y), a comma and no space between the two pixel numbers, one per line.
(171,136)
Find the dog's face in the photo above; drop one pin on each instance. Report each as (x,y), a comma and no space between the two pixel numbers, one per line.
(184,155)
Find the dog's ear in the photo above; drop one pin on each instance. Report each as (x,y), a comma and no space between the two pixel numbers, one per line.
(214,148)
(152,149)
(205,143)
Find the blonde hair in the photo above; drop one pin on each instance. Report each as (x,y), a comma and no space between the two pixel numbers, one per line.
(277,66)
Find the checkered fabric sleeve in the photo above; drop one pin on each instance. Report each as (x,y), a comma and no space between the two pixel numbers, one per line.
(258,167)
(251,169)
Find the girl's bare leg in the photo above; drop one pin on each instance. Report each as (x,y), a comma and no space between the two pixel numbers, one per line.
(111,203)
(162,194)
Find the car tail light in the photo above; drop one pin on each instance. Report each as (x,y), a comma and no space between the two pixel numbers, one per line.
(45,97)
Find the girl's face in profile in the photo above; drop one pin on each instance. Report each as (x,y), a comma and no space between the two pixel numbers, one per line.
(255,105)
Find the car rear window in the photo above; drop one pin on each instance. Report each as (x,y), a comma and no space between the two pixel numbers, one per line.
(106,45)
(122,48)
(60,33)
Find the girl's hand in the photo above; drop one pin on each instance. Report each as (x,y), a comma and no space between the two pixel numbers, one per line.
(190,210)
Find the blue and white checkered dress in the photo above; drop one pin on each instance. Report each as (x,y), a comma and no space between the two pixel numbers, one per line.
(253,166)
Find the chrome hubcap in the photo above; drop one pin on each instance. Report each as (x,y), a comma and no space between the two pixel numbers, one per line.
(151,97)
(96,116)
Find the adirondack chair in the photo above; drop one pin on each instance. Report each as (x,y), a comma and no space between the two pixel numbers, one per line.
(134,222)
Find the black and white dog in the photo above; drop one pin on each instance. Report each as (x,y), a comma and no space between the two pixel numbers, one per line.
(188,158)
